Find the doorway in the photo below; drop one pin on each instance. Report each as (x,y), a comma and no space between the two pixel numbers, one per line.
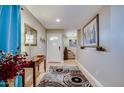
(70,45)
(54,47)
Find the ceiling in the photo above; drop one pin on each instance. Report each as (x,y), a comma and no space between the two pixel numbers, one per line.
(71,16)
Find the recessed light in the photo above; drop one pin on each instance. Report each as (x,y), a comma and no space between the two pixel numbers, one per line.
(58,20)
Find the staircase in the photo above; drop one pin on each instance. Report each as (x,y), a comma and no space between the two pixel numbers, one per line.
(71,55)
(68,54)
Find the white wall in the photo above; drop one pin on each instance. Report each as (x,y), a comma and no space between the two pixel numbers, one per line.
(28,18)
(107,67)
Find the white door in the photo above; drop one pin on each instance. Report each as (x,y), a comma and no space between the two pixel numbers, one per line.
(54,47)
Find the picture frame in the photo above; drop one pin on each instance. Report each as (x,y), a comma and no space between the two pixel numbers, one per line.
(30,36)
(90,33)
(72,43)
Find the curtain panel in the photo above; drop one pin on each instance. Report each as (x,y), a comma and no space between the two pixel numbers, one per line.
(10,33)
(10,28)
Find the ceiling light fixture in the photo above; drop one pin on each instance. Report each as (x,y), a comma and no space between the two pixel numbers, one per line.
(57,20)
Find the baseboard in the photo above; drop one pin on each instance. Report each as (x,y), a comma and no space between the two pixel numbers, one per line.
(90,77)
(55,61)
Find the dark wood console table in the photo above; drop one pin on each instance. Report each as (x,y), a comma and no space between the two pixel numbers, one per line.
(35,63)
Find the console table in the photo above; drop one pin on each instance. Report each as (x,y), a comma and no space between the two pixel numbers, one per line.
(35,63)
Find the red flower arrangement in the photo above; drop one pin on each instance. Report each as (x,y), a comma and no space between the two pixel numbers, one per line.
(11,65)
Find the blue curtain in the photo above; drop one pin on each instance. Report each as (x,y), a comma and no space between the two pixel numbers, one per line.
(10,32)
(10,28)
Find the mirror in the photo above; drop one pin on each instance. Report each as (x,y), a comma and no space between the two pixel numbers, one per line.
(30,36)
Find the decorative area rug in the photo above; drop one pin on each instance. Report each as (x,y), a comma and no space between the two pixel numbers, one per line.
(64,76)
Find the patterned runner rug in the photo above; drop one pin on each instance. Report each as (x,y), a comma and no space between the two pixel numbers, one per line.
(64,76)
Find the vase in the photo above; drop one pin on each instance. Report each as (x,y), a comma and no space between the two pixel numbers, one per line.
(4,83)
(11,82)
(18,81)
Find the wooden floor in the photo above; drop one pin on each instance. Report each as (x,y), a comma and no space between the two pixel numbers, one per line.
(65,63)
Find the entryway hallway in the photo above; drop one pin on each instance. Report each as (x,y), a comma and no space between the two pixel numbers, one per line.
(36,42)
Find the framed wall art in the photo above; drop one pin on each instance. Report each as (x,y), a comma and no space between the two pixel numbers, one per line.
(72,42)
(90,33)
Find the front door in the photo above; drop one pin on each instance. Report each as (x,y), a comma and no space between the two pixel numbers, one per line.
(54,47)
